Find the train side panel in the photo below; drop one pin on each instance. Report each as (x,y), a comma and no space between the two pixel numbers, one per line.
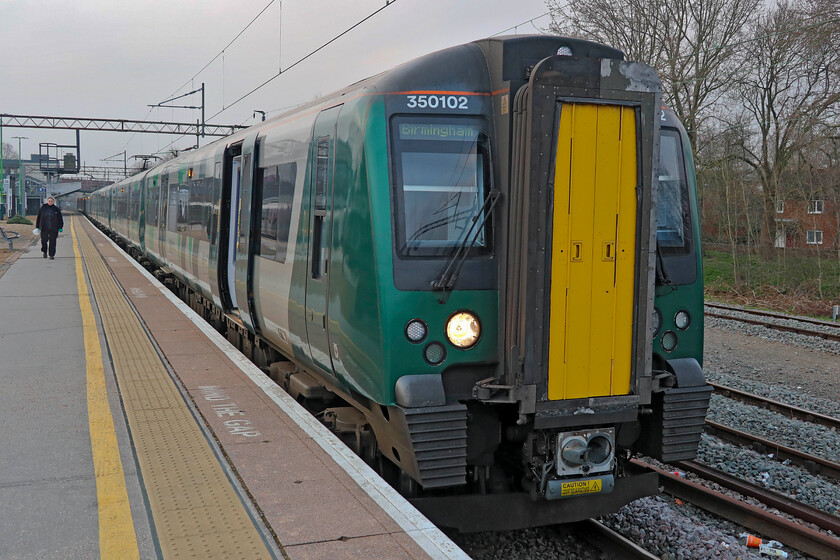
(358,245)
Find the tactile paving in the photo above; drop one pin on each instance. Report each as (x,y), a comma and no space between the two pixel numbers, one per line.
(196,511)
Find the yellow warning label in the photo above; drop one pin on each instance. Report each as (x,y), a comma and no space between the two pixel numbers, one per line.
(580,487)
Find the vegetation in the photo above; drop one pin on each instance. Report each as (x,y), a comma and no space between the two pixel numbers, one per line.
(791,281)
(9,151)
(19,220)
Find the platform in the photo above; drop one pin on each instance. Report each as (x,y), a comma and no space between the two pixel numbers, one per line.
(134,430)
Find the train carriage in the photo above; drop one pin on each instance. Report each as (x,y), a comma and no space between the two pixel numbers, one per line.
(482,267)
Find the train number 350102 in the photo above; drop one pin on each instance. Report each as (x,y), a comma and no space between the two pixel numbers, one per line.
(437,102)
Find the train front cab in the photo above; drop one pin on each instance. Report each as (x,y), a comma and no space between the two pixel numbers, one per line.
(576,389)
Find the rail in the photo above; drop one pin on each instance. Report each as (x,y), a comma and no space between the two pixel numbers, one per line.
(788,410)
(766,496)
(772,314)
(811,463)
(775,326)
(613,544)
(800,537)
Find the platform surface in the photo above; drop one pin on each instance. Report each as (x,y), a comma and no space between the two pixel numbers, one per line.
(214,460)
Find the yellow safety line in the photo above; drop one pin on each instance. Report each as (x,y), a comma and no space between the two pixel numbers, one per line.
(116,528)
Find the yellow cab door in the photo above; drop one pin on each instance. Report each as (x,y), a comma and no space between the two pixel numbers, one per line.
(593,252)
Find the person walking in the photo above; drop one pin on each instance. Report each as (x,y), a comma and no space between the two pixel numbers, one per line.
(50,222)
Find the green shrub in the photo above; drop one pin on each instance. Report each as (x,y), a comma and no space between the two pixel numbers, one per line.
(19,220)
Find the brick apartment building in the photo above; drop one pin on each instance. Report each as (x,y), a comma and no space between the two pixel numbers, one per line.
(808,224)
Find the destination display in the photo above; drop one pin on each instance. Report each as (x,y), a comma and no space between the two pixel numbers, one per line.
(435,131)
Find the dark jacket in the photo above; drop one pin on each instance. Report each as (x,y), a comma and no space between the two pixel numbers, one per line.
(49,218)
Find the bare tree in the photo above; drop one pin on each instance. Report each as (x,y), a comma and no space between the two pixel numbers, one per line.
(700,40)
(690,43)
(629,25)
(9,151)
(789,90)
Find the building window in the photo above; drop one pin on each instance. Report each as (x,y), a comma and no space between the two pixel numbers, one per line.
(815,207)
(814,237)
(780,207)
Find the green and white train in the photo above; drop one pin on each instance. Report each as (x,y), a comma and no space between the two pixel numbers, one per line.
(483,268)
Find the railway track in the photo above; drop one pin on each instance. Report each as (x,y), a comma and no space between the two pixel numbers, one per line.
(762,318)
(790,411)
(811,463)
(766,496)
(754,518)
(792,534)
(611,543)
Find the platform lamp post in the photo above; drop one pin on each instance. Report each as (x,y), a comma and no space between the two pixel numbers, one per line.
(21,205)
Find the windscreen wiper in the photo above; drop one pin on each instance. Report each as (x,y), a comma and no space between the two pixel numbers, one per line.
(662,276)
(447,280)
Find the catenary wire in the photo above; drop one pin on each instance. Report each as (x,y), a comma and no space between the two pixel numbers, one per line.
(221,53)
(300,60)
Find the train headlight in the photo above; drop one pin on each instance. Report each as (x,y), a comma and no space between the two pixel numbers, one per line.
(657,321)
(416,331)
(669,341)
(682,319)
(463,329)
(564,51)
(434,353)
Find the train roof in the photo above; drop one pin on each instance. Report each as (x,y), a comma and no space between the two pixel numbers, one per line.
(461,68)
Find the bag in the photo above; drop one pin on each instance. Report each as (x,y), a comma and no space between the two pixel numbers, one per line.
(36,231)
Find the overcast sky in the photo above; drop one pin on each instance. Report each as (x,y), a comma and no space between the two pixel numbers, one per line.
(111,59)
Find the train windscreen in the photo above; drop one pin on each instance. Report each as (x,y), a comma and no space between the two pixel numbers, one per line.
(441,177)
(673,229)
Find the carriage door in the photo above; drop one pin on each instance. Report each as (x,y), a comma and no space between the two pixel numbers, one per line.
(228,220)
(320,232)
(233,228)
(244,249)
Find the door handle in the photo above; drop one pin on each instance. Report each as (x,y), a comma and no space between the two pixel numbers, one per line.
(609,251)
(577,251)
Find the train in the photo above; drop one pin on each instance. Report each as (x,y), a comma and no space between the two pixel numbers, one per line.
(482,269)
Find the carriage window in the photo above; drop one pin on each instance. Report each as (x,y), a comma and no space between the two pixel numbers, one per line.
(175,213)
(278,191)
(673,229)
(163,196)
(152,202)
(135,201)
(198,207)
(441,179)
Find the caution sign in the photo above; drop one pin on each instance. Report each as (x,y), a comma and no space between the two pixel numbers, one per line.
(577,487)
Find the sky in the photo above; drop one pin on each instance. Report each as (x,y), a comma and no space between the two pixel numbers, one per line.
(112,59)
